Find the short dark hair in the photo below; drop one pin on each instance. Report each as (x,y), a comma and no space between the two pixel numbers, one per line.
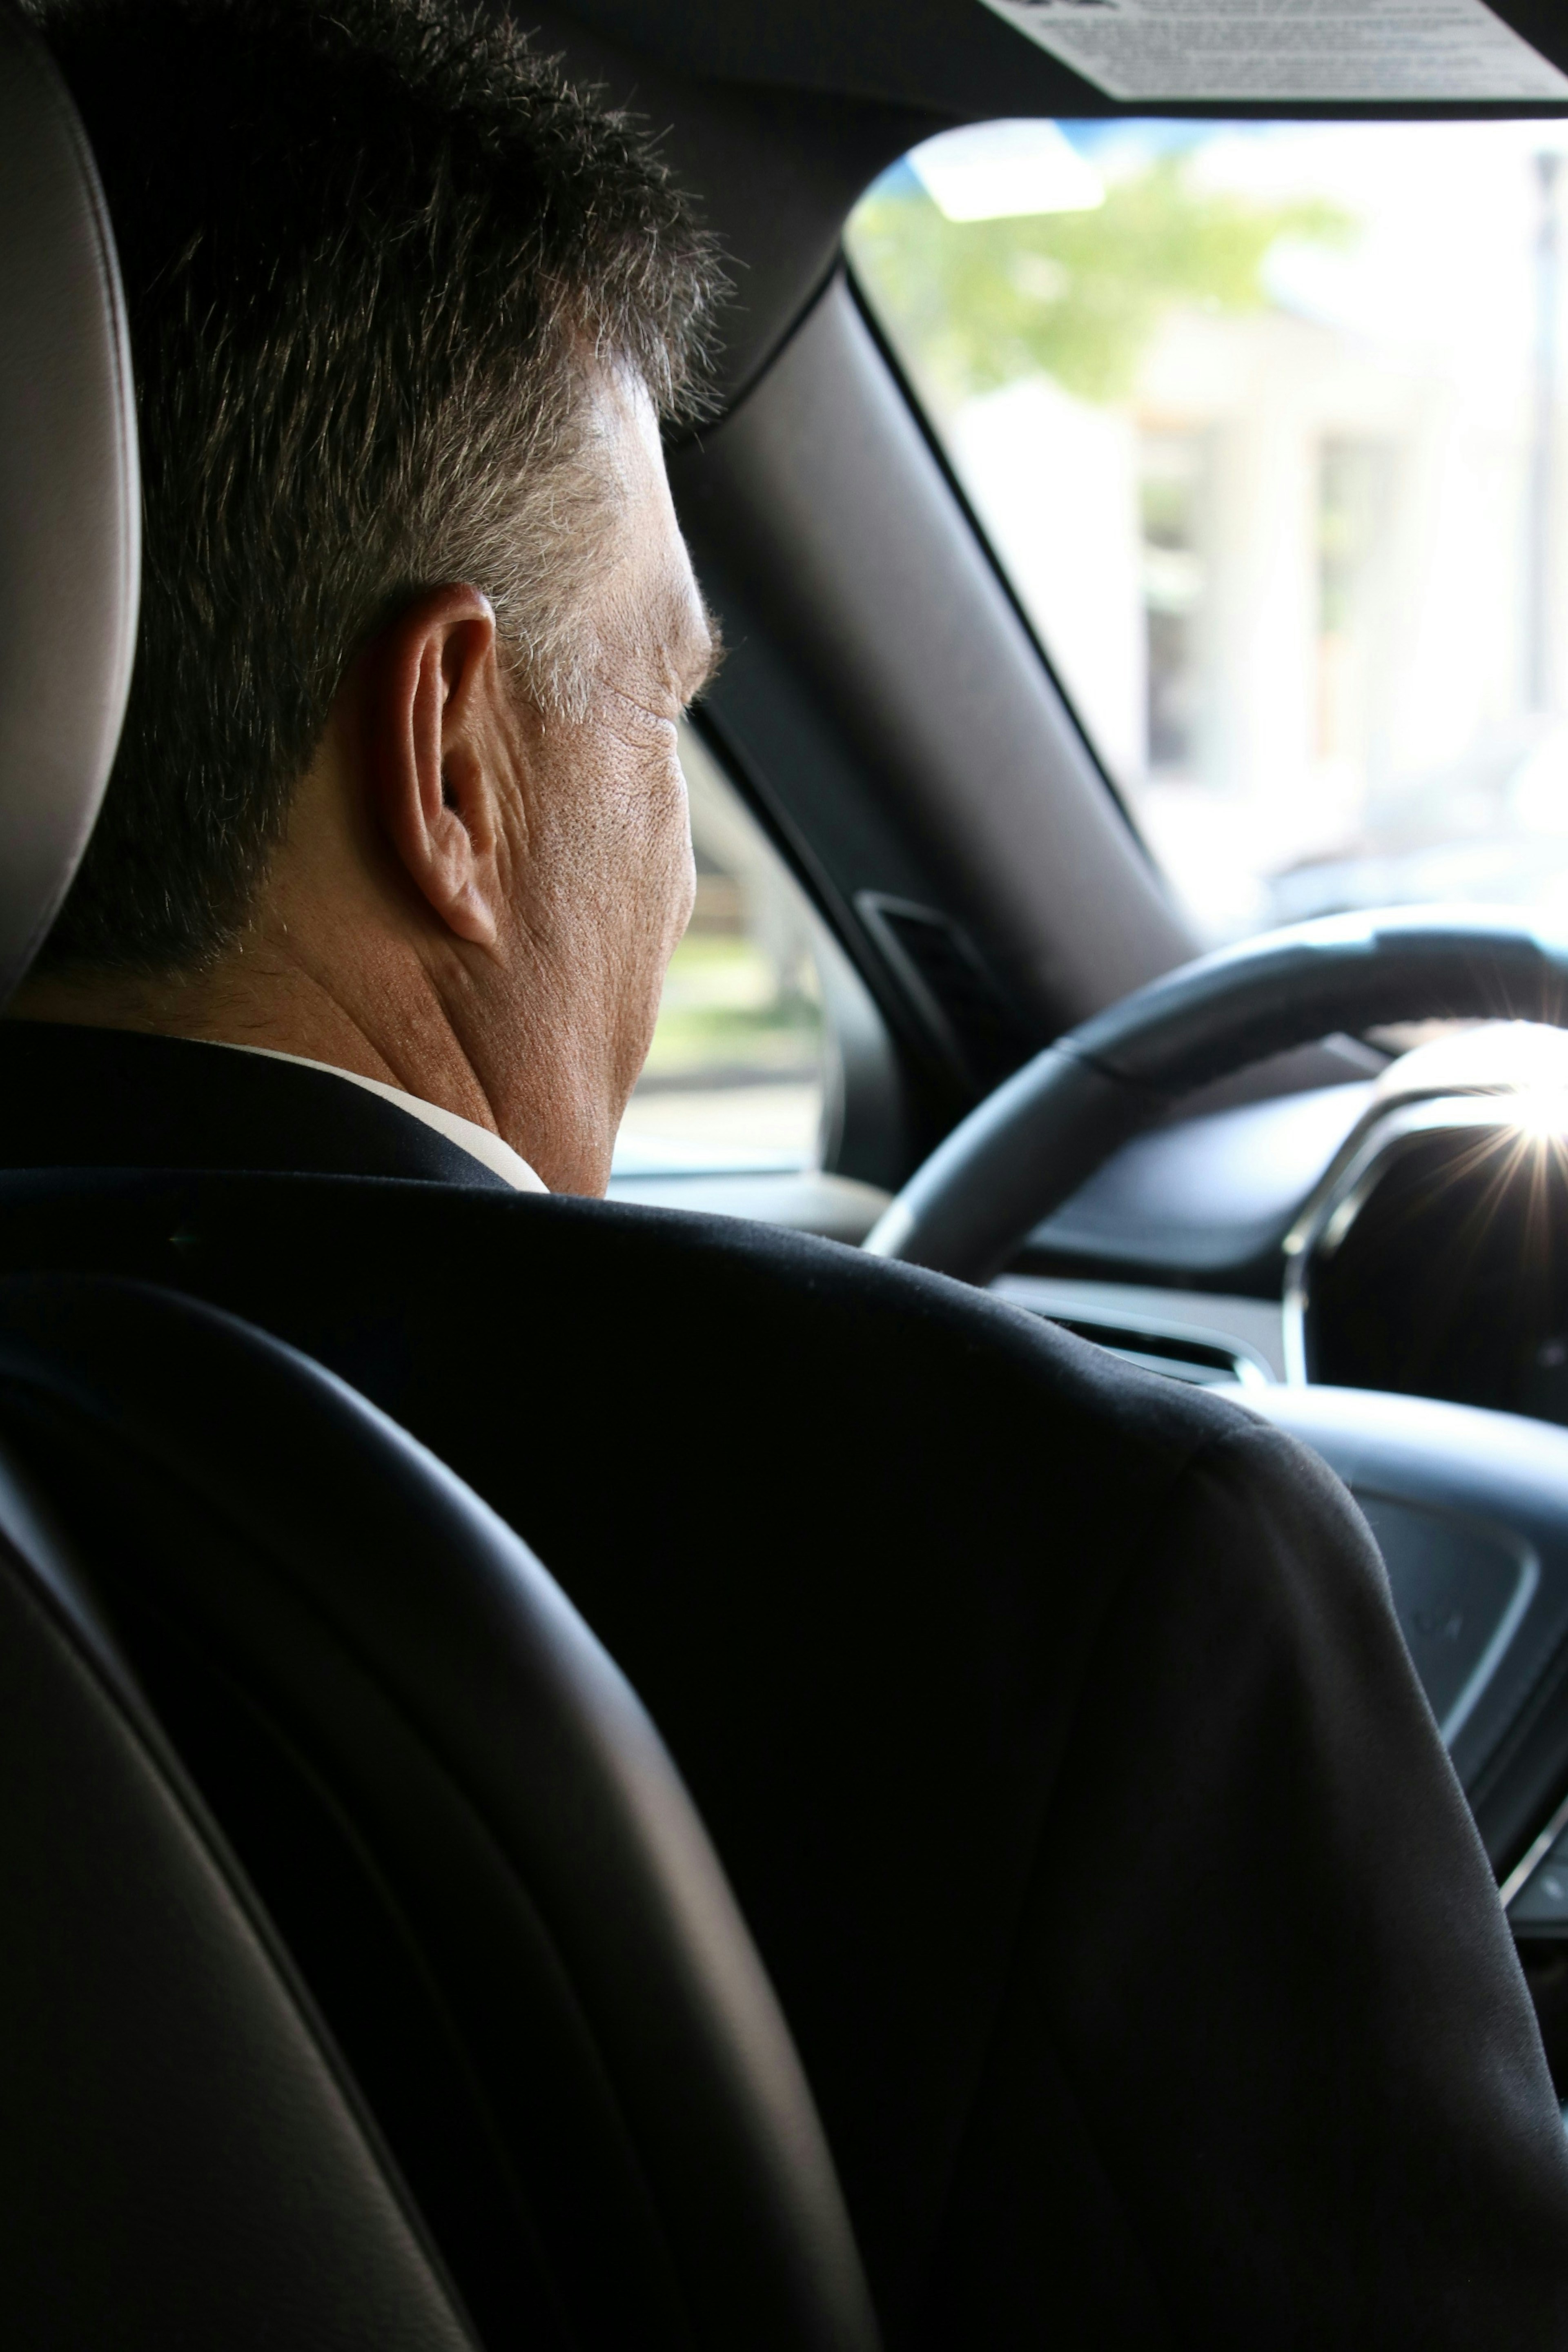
(372,250)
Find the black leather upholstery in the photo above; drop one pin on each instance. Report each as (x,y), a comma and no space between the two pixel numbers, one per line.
(220,1570)
(69,498)
(470,1833)
(181,2159)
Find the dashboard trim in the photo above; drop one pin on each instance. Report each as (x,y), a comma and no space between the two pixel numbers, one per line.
(1352,1178)
(1249,1330)
(1530,1861)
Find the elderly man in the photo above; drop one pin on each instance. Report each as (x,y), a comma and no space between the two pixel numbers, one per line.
(398,794)
(1148,1969)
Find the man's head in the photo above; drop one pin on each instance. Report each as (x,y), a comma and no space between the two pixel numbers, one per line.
(417,622)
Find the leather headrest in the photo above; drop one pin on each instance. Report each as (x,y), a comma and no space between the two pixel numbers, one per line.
(69,501)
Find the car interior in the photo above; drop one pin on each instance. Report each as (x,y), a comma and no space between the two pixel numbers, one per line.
(342,1843)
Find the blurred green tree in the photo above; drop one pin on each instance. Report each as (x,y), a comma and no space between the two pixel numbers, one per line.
(974,304)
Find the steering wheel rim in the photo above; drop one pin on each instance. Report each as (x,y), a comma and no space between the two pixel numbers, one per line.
(1029,1145)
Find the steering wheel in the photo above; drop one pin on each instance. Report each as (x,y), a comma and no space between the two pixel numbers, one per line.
(1029,1145)
(1440,1482)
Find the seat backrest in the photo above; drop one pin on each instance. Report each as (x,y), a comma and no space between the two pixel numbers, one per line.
(312,1784)
(456,1813)
(69,498)
(183,2159)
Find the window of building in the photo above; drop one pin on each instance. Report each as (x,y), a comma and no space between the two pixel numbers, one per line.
(1171,506)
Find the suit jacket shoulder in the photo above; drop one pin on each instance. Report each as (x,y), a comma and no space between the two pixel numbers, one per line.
(80,1097)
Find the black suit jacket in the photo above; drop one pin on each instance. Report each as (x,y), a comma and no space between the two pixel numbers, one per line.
(74,1097)
(1052,1719)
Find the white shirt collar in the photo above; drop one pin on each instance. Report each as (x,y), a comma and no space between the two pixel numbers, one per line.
(476,1141)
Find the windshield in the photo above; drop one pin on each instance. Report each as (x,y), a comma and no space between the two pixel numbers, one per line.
(1266,423)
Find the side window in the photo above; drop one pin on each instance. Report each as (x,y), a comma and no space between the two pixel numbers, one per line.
(737,1076)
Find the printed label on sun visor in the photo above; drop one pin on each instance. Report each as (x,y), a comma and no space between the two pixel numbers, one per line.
(1287,48)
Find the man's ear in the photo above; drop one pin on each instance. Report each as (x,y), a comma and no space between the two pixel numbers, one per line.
(435,719)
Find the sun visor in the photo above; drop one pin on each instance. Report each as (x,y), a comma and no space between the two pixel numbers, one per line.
(1350,51)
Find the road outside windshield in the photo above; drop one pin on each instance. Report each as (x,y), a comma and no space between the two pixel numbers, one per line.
(1268,424)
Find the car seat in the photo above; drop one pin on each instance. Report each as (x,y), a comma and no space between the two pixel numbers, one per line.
(368,1976)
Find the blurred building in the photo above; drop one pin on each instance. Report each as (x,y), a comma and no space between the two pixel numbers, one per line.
(1305,593)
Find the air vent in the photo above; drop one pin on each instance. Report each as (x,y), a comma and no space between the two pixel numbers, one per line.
(948,987)
(1205,1362)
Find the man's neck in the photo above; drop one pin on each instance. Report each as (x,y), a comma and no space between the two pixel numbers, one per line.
(272,1002)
